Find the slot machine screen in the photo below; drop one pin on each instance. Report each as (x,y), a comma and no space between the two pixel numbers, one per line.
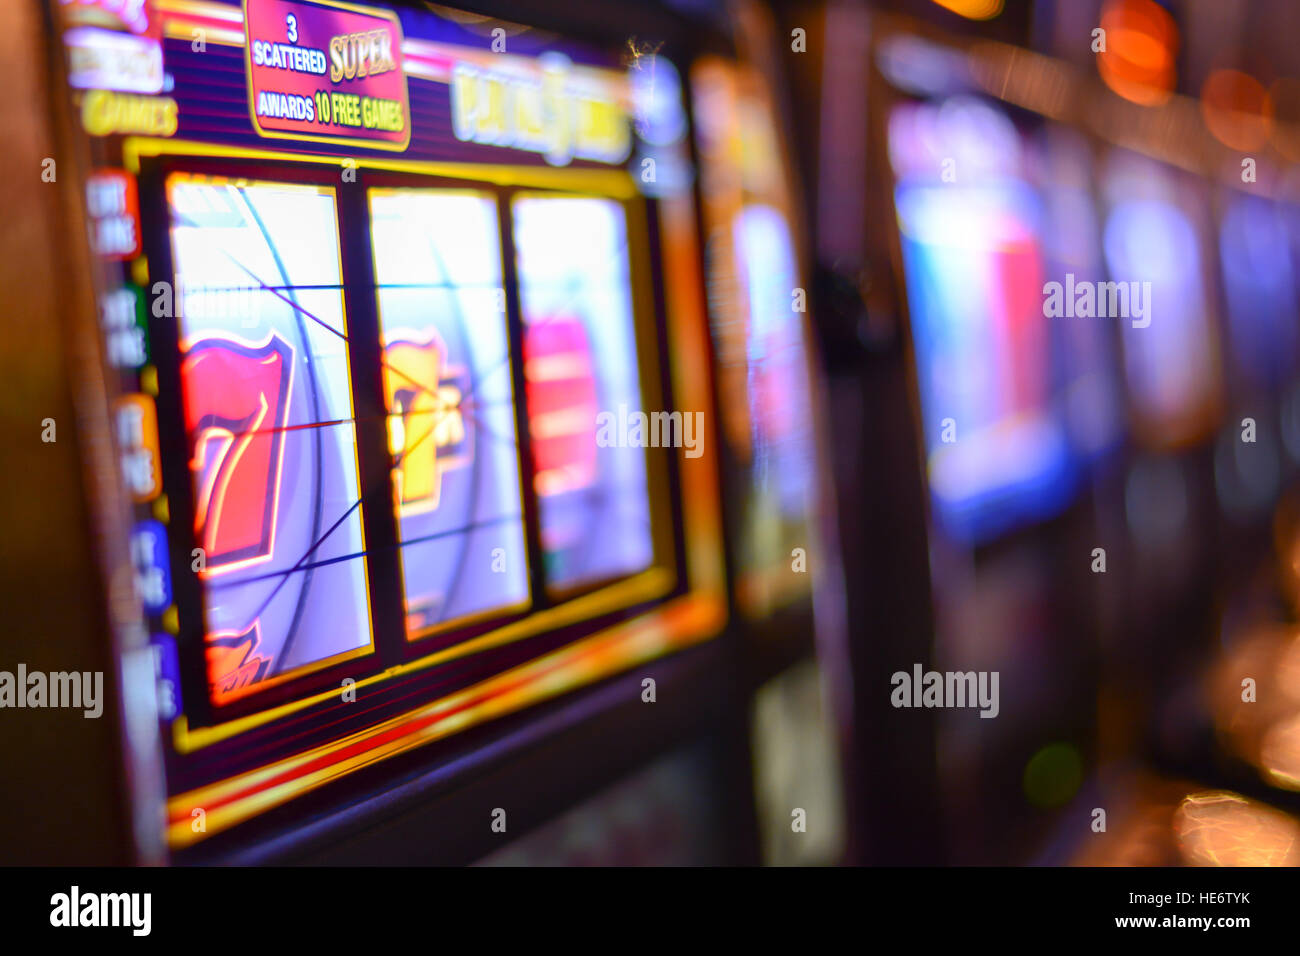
(1255,255)
(437,256)
(1084,352)
(580,356)
(269,429)
(973,262)
(1153,241)
(1259,292)
(402,413)
(760,328)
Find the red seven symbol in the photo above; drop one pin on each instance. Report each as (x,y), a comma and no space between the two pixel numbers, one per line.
(236,409)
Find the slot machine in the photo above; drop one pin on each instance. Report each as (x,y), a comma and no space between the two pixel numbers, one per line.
(781,496)
(1017,413)
(1165,419)
(1242,694)
(1213,783)
(1097,197)
(448,425)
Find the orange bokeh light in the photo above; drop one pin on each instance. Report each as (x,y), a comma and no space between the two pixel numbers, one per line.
(1237,109)
(1284,97)
(1220,828)
(1141,43)
(973,9)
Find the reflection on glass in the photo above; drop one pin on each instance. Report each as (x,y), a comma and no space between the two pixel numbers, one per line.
(268,413)
(580,361)
(447,385)
(780,432)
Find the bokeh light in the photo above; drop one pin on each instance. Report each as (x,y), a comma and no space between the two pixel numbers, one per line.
(973,9)
(1221,828)
(1141,45)
(1053,775)
(1237,109)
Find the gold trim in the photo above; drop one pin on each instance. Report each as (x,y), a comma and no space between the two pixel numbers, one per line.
(601,655)
(528,601)
(648,585)
(643,587)
(180,31)
(685,621)
(369,648)
(608,183)
(199,8)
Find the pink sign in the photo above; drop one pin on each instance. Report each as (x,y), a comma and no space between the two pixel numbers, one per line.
(326,72)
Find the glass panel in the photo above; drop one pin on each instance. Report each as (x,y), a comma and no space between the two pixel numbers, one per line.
(271,440)
(587,422)
(451,423)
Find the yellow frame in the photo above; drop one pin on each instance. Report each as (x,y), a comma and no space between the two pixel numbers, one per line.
(473,617)
(608,183)
(231,801)
(645,637)
(368,648)
(652,583)
(639,293)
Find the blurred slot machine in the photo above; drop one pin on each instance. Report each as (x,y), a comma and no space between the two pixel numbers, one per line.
(1211,400)
(784,541)
(1258,251)
(1020,411)
(1284,525)
(1258,450)
(411,371)
(1132,235)
(1243,697)
(1227,717)
(1158,241)
(1189,281)
(1210,394)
